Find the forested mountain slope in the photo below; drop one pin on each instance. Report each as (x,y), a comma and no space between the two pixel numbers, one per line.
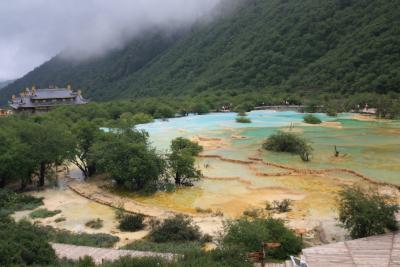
(321,45)
(4,83)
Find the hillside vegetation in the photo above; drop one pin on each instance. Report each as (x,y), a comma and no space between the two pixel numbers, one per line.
(344,46)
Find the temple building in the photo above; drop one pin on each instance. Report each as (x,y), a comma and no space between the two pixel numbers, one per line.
(42,100)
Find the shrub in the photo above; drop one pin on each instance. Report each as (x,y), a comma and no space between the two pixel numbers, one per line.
(331,112)
(95,224)
(79,239)
(138,262)
(201,210)
(131,223)
(366,213)
(243,119)
(214,258)
(11,202)
(119,211)
(311,119)
(43,213)
(177,228)
(253,213)
(279,206)
(166,247)
(206,239)
(23,244)
(288,142)
(60,219)
(86,261)
(247,234)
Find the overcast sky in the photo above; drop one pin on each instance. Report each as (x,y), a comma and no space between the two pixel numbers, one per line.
(33,31)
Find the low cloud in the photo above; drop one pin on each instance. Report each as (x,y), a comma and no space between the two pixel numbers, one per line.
(33,31)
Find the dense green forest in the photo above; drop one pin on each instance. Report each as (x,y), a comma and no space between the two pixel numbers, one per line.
(341,46)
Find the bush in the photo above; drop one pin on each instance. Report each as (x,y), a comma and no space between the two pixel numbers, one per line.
(95,224)
(247,234)
(280,206)
(177,228)
(288,142)
(43,213)
(201,210)
(138,262)
(331,112)
(23,244)
(366,213)
(253,213)
(166,247)
(214,258)
(60,219)
(86,261)
(11,202)
(311,119)
(79,239)
(131,223)
(243,119)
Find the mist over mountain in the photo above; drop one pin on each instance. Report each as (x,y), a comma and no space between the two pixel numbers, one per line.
(322,46)
(5,83)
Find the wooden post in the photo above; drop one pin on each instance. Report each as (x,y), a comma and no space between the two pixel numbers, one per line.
(300,232)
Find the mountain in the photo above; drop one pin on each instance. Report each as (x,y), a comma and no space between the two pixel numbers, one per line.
(5,83)
(311,45)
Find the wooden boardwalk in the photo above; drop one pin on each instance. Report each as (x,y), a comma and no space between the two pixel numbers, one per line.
(287,263)
(102,254)
(375,251)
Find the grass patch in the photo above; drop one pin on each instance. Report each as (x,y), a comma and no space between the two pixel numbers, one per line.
(60,219)
(43,213)
(311,119)
(79,239)
(11,202)
(167,247)
(201,210)
(95,224)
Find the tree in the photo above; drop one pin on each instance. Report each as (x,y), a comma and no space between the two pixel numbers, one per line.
(8,155)
(199,108)
(128,120)
(289,142)
(312,119)
(129,160)
(23,244)
(52,143)
(182,160)
(175,229)
(246,234)
(366,213)
(20,160)
(85,134)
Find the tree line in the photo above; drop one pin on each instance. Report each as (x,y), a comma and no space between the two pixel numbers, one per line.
(33,148)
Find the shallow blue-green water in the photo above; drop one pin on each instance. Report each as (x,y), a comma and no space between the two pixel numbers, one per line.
(371,148)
